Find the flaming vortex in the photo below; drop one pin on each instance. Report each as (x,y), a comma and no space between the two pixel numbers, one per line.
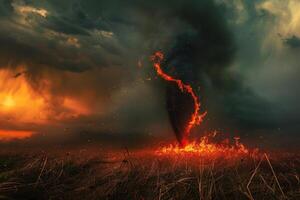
(195,118)
(204,146)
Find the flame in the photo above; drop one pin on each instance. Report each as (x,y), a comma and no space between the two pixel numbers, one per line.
(196,118)
(205,147)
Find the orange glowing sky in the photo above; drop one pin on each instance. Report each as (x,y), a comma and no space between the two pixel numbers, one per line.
(7,135)
(18,100)
(20,103)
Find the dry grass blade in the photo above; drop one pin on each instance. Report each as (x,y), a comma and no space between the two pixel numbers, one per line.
(42,170)
(266,184)
(274,174)
(251,178)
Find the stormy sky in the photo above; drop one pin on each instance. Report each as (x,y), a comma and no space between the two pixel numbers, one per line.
(86,63)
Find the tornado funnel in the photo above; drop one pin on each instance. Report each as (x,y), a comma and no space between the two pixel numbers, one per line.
(180,107)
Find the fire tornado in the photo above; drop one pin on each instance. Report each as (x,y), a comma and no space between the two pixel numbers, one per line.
(195,118)
(183,99)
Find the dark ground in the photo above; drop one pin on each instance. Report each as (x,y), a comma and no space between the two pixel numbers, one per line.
(95,173)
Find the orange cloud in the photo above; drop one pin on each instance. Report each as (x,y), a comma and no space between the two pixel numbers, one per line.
(8,135)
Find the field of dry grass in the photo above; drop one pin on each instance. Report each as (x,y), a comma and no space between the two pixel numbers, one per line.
(94,173)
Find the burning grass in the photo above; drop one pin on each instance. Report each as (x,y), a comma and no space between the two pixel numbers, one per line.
(98,174)
(206,147)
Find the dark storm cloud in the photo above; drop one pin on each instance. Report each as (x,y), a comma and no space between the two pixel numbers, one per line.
(5,8)
(64,26)
(293,41)
(263,66)
(75,21)
(16,53)
(129,26)
(56,40)
(81,36)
